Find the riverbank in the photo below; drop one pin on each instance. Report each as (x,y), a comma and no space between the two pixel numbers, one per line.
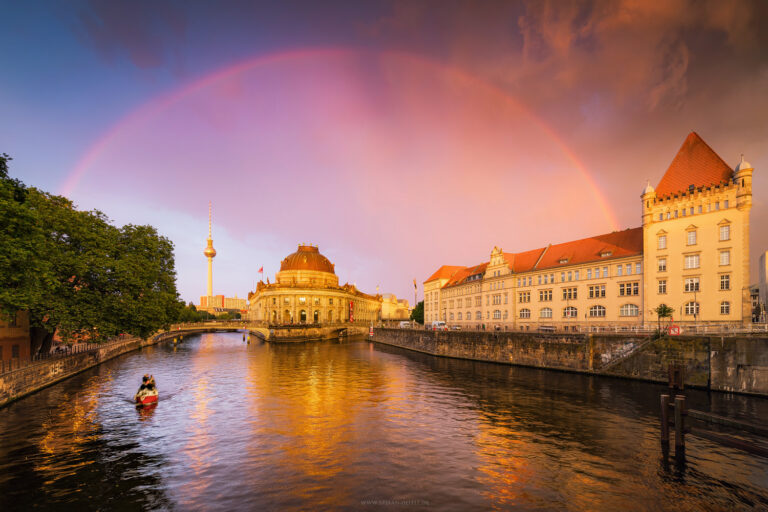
(736,364)
(29,379)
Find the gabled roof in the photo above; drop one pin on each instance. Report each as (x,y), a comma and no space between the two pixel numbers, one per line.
(460,276)
(618,244)
(523,261)
(444,272)
(695,164)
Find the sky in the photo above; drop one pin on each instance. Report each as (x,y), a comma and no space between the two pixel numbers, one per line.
(396,136)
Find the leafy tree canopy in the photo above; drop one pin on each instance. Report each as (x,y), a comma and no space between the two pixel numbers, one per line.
(418,313)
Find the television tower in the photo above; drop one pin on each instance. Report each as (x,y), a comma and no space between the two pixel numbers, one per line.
(210,253)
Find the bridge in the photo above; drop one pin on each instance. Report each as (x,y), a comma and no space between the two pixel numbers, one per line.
(277,333)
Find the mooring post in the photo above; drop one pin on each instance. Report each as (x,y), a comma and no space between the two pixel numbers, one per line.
(665,420)
(679,423)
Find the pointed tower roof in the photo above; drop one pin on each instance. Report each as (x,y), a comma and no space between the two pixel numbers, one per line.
(695,164)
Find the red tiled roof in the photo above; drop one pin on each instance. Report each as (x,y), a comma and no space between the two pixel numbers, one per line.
(619,244)
(444,272)
(695,164)
(523,261)
(464,273)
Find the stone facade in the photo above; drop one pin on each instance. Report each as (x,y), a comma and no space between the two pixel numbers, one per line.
(691,253)
(307,291)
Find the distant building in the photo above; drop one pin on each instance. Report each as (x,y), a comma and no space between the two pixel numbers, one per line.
(691,253)
(14,337)
(307,291)
(762,282)
(394,309)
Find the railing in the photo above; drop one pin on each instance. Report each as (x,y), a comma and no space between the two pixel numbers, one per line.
(686,329)
(62,352)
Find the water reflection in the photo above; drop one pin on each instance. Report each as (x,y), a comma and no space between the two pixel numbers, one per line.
(330,425)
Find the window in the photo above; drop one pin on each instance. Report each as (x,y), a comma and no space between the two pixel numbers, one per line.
(605,272)
(545,295)
(662,242)
(619,270)
(570,312)
(285,300)
(478,315)
(576,275)
(302,300)
(539,278)
(692,261)
(505,299)
(597,291)
(725,308)
(629,269)
(562,277)
(545,313)
(717,205)
(569,294)
(530,281)
(629,289)
(506,314)
(317,301)
(15,352)
(725,282)
(451,317)
(518,282)
(692,308)
(459,315)
(691,284)
(478,301)
(661,216)
(597,312)
(725,257)
(692,237)
(468,302)
(726,203)
(487,315)
(330,302)
(589,273)
(725,232)
(662,264)
(662,286)
(570,275)
(496,314)
(629,310)
(524,297)
(469,316)
(701,208)
(525,313)
(274,301)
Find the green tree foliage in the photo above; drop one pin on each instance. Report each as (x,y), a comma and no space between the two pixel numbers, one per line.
(77,274)
(418,313)
(663,311)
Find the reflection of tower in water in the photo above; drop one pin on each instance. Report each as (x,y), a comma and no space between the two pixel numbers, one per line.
(210,253)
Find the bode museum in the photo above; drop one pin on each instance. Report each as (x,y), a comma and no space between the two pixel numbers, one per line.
(307,291)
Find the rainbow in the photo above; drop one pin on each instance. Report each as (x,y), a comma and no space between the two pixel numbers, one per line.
(162,102)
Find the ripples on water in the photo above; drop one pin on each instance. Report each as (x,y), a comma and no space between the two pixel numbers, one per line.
(358,426)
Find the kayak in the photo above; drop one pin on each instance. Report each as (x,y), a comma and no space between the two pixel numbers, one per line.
(146,397)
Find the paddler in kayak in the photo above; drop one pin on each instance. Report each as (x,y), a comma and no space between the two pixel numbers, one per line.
(147,393)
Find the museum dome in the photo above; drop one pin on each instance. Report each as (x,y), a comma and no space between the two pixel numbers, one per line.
(307,257)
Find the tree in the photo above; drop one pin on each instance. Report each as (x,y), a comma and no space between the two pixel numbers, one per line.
(76,273)
(663,311)
(418,313)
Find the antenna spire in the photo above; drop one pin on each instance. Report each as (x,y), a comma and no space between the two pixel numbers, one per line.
(209,219)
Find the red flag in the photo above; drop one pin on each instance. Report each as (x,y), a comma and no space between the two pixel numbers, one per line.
(261,270)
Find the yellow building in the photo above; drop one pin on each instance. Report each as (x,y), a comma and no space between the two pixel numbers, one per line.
(307,291)
(691,253)
(393,308)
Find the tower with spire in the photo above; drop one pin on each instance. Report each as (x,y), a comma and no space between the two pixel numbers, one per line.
(210,253)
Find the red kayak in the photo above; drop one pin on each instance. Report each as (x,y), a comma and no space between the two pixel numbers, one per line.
(146,397)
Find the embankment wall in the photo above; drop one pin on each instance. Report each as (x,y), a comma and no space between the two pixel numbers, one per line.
(733,364)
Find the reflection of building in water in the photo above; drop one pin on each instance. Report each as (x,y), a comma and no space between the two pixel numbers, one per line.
(691,254)
(394,309)
(306,290)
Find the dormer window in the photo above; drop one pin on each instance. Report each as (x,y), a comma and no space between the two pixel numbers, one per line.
(563,260)
(606,254)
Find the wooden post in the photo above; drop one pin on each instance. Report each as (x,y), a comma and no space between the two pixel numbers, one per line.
(665,420)
(679,422)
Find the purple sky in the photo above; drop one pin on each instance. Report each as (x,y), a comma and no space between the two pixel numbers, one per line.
(397,136)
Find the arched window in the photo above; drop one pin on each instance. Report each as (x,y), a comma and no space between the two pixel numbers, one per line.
(478,315)
(629,310)
(303,316)
(692,308)
(451,317)
(316,316)
(506,314)
(597,312)
(725,308)
(545,313)
(468,316)
(496,314)
(525,313)
(459,315)
(570,312)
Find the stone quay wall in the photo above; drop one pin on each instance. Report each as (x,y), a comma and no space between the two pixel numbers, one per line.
(732,364)
(38,375)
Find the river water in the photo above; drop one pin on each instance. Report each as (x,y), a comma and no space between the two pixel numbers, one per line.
(358,426)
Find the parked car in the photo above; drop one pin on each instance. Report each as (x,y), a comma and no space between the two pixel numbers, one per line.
(438,325)
(455,327)
(405,324)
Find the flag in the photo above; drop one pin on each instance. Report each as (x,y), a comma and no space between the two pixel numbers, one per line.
(261,270)
(414,285)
